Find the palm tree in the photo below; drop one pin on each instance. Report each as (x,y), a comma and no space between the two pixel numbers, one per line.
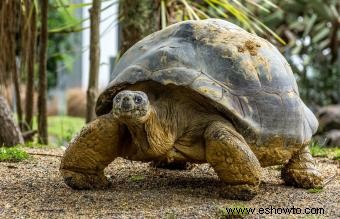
(140,18)
(311,30)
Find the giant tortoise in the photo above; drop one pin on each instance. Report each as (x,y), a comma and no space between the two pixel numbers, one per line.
(200,91)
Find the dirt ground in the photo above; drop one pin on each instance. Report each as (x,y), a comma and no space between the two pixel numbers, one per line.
(34,189)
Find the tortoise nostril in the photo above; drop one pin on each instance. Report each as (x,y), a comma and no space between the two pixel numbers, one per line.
(126,103)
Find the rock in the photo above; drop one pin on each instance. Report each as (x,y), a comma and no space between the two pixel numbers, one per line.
(76,102)
(329,118)
(10,134)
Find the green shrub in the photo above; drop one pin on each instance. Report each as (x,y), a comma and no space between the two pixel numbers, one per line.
(12,154)
(317,150)
(315,190)
(321,151)
(336,154)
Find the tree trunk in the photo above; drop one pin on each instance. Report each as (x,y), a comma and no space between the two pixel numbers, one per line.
(15,70)
(92,90)
(9,27)
(42,84)
(10,134)
(15,77)
(29,104)
(139,19)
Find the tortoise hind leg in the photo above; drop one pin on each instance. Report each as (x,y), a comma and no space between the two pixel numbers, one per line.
(95,147)
(300,171)
(233,161)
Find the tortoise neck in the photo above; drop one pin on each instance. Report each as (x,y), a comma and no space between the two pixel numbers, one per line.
(152,138)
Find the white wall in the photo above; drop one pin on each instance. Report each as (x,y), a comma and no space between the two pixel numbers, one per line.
(108,42)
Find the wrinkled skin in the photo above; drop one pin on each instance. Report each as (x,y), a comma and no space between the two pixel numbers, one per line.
(169,124)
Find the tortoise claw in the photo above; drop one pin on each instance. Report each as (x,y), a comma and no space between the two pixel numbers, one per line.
(239,192)
(302,178)
(80,181)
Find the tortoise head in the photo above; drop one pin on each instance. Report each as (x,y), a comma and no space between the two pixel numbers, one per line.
(131,106)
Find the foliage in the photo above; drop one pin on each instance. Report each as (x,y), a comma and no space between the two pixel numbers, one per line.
(317,150)
(62,47)
(321,151)
(315,190)
(311,30)
(12,154)
(238,12)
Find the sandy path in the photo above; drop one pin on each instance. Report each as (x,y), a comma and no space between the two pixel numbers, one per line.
(34,189)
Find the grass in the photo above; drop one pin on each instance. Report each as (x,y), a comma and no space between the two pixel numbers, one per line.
(34,144)
(321,151)
(137,178)
(336,154)
(12,154)
(317,150)
(315,190)
(61,129)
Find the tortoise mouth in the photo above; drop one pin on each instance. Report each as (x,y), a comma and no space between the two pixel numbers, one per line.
(130,114)
(127,108)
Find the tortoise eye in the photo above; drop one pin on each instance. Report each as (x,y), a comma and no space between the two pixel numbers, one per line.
(138,99)
(117,99)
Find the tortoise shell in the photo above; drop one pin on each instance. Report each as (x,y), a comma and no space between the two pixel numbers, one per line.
(245,77)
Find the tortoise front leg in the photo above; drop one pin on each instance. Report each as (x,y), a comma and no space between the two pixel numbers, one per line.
(95,147)
(233,161)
